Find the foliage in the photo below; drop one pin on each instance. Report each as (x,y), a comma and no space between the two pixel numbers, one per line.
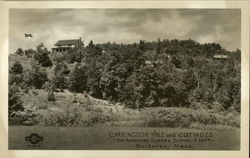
(61,72)
(51,96)
(30,53)
(19,51)
(184,117)
(42,57)
(17,68)
(163,73)
(16,74)
(15,103)
(74,56)
(90,112)
(37,76)
(78,79)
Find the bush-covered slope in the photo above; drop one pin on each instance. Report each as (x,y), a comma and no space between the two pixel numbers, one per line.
(166,75)
(83,110)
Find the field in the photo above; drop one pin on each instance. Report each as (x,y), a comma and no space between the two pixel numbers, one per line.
(81,122)
(82,110)
(105,138)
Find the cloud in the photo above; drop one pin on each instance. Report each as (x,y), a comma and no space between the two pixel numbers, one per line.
(124,25)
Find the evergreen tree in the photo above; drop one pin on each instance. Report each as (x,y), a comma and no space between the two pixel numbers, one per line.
(158,46)
(16,74)
(78,79)
(19,52)
(42,57)
(15,103)
(37,76)
(51,96)
(17,68)
(60,72)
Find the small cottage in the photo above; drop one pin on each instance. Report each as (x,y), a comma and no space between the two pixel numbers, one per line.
(221,57)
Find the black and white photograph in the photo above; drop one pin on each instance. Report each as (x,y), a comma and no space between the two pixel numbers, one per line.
(124,79)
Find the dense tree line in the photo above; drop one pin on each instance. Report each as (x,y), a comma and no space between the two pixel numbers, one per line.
(170,73)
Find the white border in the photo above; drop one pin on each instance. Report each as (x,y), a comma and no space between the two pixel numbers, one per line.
(5,6)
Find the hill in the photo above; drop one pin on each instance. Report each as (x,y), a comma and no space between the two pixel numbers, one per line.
(167,83)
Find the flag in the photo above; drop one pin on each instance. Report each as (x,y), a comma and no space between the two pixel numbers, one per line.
(27,35)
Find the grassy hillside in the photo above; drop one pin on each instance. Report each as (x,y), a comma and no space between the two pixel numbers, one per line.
(71,109)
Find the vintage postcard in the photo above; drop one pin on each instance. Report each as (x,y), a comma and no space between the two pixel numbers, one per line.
(119,76)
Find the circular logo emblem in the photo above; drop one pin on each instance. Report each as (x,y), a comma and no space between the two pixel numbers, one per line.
(34,138)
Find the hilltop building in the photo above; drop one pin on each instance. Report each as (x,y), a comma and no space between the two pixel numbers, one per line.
(68,45)
(219,57)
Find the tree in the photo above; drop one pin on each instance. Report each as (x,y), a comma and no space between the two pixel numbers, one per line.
(211,49)
(142,45)
(224,97)
(189,62)
(15,103)
(190,80)
(19,52)
(42,57)
(30,53)
(37,76)
(158,46)
(139,86)
(91,44)
(153,100)
(17,68)
(51,96)
(94,74)
(208,95)
(74,56)
(167,93)
(78,79)
(16,74)
(60,72)
(109,82)
(176,62)
(93,49)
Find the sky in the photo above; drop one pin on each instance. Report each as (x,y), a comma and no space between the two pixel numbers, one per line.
(47,26)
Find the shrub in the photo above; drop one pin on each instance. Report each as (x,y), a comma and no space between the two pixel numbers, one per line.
(42,57)
(78,79)
(37,76)
(188,118)
(98,116)
(58,117)
(17,68)
(166,117)
(26,117)
(15,105)
(18,114)
(74,56)
(19,51)
(59,79)
(30,53)
(51,96)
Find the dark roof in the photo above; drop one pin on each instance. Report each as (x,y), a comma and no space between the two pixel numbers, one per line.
(61,47)
(68,42)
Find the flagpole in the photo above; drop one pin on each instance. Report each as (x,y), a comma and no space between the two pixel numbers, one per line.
(24,44)
(26,36)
